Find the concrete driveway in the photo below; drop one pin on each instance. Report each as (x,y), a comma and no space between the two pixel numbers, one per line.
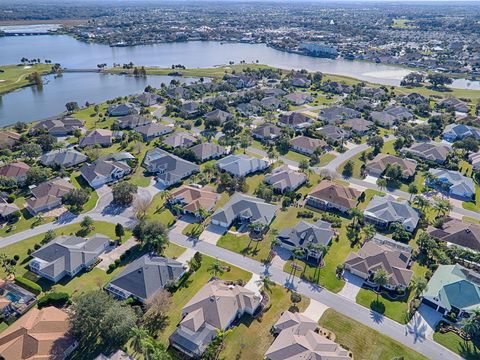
(212,234)
(181,224)
(281,258)
(114,253)
(422,324)
(353,284)
(315,310)
(186,256)
(252,284)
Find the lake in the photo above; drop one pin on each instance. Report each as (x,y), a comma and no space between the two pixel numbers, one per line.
(31,104)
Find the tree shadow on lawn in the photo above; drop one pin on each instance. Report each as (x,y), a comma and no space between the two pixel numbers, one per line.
(470,350)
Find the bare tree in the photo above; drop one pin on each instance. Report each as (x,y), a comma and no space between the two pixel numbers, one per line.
(140,206)
(156,314)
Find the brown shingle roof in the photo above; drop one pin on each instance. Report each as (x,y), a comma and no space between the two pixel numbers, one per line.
(15,170)
(39,334)
(195,198)
(381,161)
(336,194)
(458,232)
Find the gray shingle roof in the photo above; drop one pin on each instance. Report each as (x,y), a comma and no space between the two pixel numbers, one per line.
(63,157)
(387,209)
(171,168)
(147,275)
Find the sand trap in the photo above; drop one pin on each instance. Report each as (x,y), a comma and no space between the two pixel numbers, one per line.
(2,81)
(27,67)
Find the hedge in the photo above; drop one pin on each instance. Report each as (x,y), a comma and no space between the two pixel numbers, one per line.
(28,284)
(54,298)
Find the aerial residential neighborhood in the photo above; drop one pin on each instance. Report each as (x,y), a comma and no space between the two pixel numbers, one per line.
(194,205)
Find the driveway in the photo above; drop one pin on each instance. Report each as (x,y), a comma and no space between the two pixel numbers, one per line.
(181,224)
(114,253)
(422,324)
(315,310)
(281,258)
(252,284)
(371,179)
(212,234)
(186,256)
(353,284)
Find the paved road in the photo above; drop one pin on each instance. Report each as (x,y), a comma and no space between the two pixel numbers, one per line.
(401,333)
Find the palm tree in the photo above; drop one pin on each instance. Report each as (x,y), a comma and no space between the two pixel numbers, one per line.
(418,285)
(369,231)
(471,325)
(356,214)
(382,184)
(274,243)
(216,268)
(265,282)
(380,278)
(421,202)
(297,253)
(442,206)
(154,350)
(166,195)
(203,213)
(137,335)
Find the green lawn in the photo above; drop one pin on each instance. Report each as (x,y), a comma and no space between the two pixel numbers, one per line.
(295,156)
(369,194)
(173,251)
(79,182)
(157,211)
(14,77)
(473,205)
(253,181)
(393,309)
(467,350)
(388,148)
(251,338)
(364,342)
(357,164)
(257,250)
(325,159)
(26,221)
(194,229)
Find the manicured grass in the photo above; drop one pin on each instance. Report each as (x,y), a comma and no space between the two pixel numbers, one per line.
(467,350)
(295,156)
(393,309)
(194,229)
(336,254)
(173,251)
(253,181)
(78,181)
(242,244)
(325,159)
(357,164)
(92,120)
(14,77)
(27,221)
(251,338)
(364,342)
(369,194)
(388,148)
(157,211)
(473,205)
(191,286)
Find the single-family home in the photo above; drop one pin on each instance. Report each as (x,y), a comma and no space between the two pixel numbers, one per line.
(218,115)
(153,130)
(7,210)
(337,114)
(474,159)
(298,98)
(241,165)
(382,211)
(379,164)
(48,195)
(359,126)
(14,299)
(170,169)
(307,145)
(453,132)
(215,307)
(180,139)
(430,151)
(39,334)
(273,92)
(301,82)
(456,232)
(310,237)
(148,99)
(178,93)
(382,253)
(400,113)
(132,121)
(244,209)
(15,170)
(271,103)
(207,151)
(67,255)
(330,195)
(189,109)
(295,120)
(453,182)
(8,139)
(65,158)
(145,276)
(455,104)
(117,355)
(101,137)
(58,127)
(453,289)
(298,337)
(284,178)
(102,172)
(193,198)
(122,109)
(266,132)
(334,133)
(382,118)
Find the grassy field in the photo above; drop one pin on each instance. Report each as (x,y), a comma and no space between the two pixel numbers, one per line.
(393,309)
(467,350)
(157,211)
(14,77)
(79,182)
(364,342)
(252,337)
